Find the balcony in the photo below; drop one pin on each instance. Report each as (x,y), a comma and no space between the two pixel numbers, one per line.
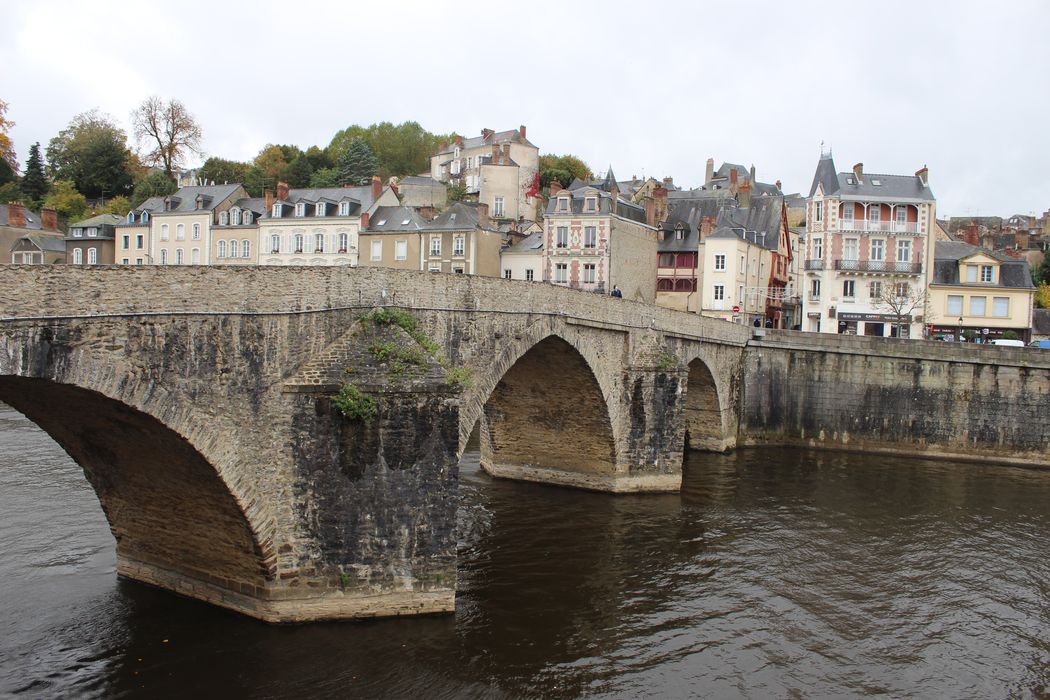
(884,266)
(814,265)
(879,226)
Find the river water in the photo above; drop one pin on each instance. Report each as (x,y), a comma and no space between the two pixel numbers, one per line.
(775,573)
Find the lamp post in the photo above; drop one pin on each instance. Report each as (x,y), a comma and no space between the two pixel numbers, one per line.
(960,329)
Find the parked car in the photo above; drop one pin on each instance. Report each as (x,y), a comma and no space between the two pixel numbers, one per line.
(1008,343)
(1045,344)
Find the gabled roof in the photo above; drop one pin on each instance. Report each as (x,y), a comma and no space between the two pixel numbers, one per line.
(395,220)
(186,198)
(32,220)
(763,216)
(458,217)
(530,245)
(869,185)
(509,136)
(606,204)
(1013,272)
(99,220)
(688,215)
(45,242)
(256,205)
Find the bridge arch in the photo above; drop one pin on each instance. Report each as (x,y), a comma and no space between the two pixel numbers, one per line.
(705,427)
(159,472)
(543,413)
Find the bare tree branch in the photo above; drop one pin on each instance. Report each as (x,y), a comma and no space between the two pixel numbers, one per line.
(169,130)
(902,297)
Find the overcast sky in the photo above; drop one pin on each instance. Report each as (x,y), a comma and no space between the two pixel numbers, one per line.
(652,89)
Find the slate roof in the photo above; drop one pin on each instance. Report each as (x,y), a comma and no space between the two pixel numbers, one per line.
(1013,272)
(32,220)
(100,220)
(606,205)
(186,198)
(763,216)
(395,220)
(530,245)
(421,180)
(252,204)
(50,244)
(360,196)
(689,214)
(460,216)
(511,135)
(848,186)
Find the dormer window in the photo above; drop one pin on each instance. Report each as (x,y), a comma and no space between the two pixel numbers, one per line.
(235,217)
(247,218)
(319,210)
(224,219)
(679,233)
(590,204)
(77,232)
(563,204)
(300,209)
(344,208)
(131,217)
(92,232)
(144,217)
(276,213)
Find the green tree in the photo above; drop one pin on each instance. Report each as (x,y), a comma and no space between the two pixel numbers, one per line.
(325,177)
(156,184)
(93,153)
(1042,273)
(564,169)
(118,205)
(66,200)
(220,171)
(34,182)
(299,172)
(400,149)
(457,191)
(1042,296)
(318,158)
(358,164)
(10,192)
(272,166)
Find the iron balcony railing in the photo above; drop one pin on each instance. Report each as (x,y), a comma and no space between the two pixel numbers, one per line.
(904,268)
(879,226)
(814,264)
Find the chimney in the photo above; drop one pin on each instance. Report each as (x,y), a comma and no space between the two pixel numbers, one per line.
(660,193)
(395,186)
(495,154)
(650,211)
(16,215)
(506,154)
(752,173)
(555,187)
(733,181)
(483,215)
(971,235)
(268,198)
(459,141)
(858,172)
(364,221)
(744,194)
(486,133)
(709,174)
(377,187)
(669,183)
(778,186)
(924,175)
(48,219)
(521,133)
(282,191)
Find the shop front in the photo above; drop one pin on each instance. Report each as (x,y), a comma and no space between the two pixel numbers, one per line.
(978,334)
(879,325)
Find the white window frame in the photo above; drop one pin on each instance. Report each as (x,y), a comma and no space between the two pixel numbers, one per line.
(344,208)
(163,257)
(459,246)
(78,256)
(719,292)
(300,209)
(275,243)
(561,237)
(180,232)
(233,247)
(319,242)
(849,289)
(978,309)
(220,249)
(319,209)
(498,206)
(590,236)
(720,262)
(1001,310)
(590,273)
(377,250)
(990,276)
(401,250)
(529,275)
(196,232)
(954,305)
(163,232)
(246,248)
(878,249)
(561,272)
(904,250)
(344,242)
(224,218)
(435,246)
(178,256)
(276,211)
(195,256)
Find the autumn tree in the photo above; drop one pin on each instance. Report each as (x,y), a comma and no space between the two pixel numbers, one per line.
(564,169)
(1042,296)
(169,131)
(93,153)
(66,200)
(7,148)
(156,184)
(399,149)
(34,182)
(358,164)
(221,171)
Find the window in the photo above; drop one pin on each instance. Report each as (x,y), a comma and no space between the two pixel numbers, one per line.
(300,209)
(818,248)
(125,260)
(344,240)
(195,256)
(849,289)
(435,245)
(235,217)
(740,294)
(224,218)
(741,268)
(434,268)
(458,245)
(878,250)
(276,212)
(506,275)
(720,292)
(458,270)
(319,243)
(178,256)
(590,204)
(78,232)
(139,241)
(498,207)
(92,232)
(247,218)
(298,242)
(138,261)
(126,240)
(563,237)
(679,233)
(849,249)
(848,211)
(275,243)
(222,250)
(904,251)
(1001,307)
(875,290)
(377,250)
(131,217)
(971,273)
(874,214)
(344,208)
(144,218)
(246,248)
(814,289)
(901,290)
(818,212)
(180,232)
(720,262)
(78,256)
(665,260)
(563,204)
(977,306)
(955,305)
(561,272)
(233,248)
(528,275)
(163,232)
(319,210)
(163,257)
(986,273)
(401,250)
(902,215)
(590,236)
(588,272)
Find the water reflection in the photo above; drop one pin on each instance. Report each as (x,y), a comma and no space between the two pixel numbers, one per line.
(773,573)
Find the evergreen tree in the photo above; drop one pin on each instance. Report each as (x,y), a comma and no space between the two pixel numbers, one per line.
(299,172)
(156,184)
(34,182)
(358,164)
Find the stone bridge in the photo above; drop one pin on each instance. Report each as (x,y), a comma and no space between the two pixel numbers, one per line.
(285,441)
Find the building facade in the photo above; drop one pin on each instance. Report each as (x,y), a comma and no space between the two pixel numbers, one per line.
(181,231)
(16,222)
(869,243)
(524,260)
(91,241)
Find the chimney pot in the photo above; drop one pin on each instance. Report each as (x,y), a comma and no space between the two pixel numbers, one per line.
(521,132)
(778,185)
(732,176)
(16,215)
(48,219)
(377,187)
(555,187)
(858,171)
(282,191)
(268,198)
(364,221)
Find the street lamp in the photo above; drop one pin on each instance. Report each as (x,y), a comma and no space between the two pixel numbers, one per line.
(960,329)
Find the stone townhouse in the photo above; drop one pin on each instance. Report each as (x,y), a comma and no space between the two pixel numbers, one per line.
(17,222)
(181,231)
(132,235)
(523,260)
(319,226)
(595,241)
(92,241)
(984,292)
(500,169)
(394,238)
(680,250)
(236,235)
(868,247)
